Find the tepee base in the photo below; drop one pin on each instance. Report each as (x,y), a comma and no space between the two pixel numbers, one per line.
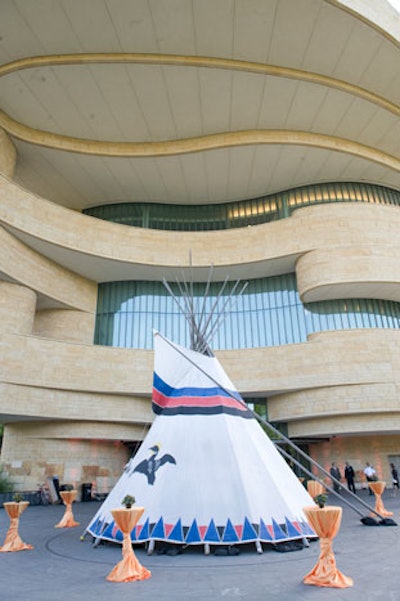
(223,550)
(157,547)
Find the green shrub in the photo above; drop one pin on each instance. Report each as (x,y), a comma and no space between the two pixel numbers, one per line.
(5,483)
(320,500)
(128,501)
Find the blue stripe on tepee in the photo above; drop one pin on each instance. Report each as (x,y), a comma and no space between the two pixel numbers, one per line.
(291,529)
(248,531)
(264,532)
(229,535)
(176,533)
(278,532)
(212,536)
(193,535)
(203,390)
(158,530)
(145,531)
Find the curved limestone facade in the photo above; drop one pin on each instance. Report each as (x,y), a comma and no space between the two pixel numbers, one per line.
(77,409)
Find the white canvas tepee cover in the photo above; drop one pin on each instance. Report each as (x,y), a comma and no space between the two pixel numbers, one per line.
(206,471)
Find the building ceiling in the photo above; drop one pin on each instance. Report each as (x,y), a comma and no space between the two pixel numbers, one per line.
(198,102)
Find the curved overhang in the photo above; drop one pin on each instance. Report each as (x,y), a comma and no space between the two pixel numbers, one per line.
(194,103)
(349,272)
(200,105)
(370,424)
(340,250)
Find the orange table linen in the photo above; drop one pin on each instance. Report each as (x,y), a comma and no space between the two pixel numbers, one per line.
(13,541)
(378,488)
(128,568)
(68,521)
(315,488)
(326,522)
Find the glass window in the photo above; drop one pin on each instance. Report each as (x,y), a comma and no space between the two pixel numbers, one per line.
(268,313)
(241,213)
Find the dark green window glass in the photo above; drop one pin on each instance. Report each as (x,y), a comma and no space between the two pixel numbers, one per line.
(268,313)
(242,213)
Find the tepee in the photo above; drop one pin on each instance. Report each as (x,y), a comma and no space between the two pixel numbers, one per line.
(206,473)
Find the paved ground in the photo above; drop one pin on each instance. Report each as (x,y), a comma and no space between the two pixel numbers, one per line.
(63,567)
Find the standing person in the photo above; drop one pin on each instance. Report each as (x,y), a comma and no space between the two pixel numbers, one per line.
(349,475)
(56,483)
(395,478)
(335,473)
(370,475)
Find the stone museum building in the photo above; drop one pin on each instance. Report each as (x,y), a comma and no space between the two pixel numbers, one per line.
(253,140)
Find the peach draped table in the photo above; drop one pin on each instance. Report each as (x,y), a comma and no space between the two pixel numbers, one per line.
(13,541)
(67,521)
(315,488)
(378,488)
(128,568)
(326,522)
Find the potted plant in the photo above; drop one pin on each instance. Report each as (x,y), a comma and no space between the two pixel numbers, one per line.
(18,498)
(320,500)
(128,501)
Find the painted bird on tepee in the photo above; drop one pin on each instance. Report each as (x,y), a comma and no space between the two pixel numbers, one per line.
(150,466)
(215,477)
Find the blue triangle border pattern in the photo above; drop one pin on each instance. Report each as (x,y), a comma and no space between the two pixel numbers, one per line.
(212,534)
(264,531)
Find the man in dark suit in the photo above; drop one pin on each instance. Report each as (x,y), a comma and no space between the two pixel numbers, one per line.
(349,475)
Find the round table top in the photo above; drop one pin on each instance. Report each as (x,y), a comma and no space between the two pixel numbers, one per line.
(68,495)
(15,509)
(127,518)
(324,520)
